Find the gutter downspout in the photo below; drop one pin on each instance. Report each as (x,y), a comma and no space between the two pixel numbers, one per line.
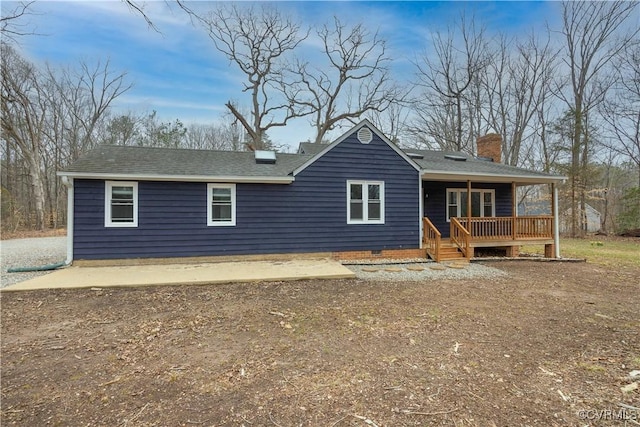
(556,231)
(68,182)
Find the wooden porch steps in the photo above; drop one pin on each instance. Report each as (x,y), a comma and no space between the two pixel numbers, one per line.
(476,232)
(451,254)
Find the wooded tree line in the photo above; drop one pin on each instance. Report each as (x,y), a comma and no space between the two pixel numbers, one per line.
(566,100)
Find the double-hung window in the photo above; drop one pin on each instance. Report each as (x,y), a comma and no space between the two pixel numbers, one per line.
(482,203)
(365,202)
(121,204)
(221,204)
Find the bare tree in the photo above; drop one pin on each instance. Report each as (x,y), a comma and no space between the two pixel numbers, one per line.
(621,111)
(51,117)
(593,36)
(12,23)
(433,123)
(392,121)
(543,144)
(24,119)
(257,42)
(208,137)
(138,7)
(517,85)
(459,56)
(86,94)
(355,80)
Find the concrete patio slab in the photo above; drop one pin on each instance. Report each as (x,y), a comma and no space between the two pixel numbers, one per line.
(192,274)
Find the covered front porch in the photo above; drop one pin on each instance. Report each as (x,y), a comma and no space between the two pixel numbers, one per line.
(459,217)
(466,234)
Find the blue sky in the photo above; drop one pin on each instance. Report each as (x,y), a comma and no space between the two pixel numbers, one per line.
(178,72)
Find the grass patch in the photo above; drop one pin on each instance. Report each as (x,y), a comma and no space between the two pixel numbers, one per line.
(612,253)
(591,367)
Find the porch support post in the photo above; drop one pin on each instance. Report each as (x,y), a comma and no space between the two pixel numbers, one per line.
(469,205)
(514,210)
(420,210)
(554,211)
(469,249)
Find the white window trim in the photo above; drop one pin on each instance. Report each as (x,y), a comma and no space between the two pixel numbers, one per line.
(211,223)
(108,185)
(365,202)
(459,192)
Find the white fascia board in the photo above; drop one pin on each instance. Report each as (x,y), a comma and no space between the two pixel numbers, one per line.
(180,178)
(351,132)
(483,177)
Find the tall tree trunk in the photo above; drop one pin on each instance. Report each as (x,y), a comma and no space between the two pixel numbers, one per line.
(459,123)
(575,168)
(37,186)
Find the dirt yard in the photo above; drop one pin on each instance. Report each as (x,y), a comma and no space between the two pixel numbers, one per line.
(550,344)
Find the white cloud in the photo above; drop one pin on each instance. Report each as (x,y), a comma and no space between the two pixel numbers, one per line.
(157,101)
(178,71)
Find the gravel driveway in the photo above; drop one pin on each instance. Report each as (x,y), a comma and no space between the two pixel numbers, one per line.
(28,253)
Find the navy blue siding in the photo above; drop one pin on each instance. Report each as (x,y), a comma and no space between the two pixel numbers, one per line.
(308,215)
(435,202)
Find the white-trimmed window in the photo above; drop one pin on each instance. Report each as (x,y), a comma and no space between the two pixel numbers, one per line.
(121,204)
(221,205)
(483,203)
(365,202)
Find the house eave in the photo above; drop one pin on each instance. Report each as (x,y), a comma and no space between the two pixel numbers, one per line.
(180,178)
(483,177)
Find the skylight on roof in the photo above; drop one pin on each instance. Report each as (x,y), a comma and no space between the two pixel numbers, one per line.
(415,155)
(455,157)
(265,157)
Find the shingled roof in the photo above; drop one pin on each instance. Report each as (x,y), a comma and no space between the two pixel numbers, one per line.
(124,162)
(457,165)
(453,165)
(182,164)
(311,148)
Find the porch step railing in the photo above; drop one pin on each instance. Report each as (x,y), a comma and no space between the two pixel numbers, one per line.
(509,227)
(431,239)
(461,237)
(465,231)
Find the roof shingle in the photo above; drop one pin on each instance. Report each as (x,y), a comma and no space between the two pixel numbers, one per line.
(437,161)
(182,163)
(124,160)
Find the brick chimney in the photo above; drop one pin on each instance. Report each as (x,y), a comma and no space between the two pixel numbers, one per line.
(490,146)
